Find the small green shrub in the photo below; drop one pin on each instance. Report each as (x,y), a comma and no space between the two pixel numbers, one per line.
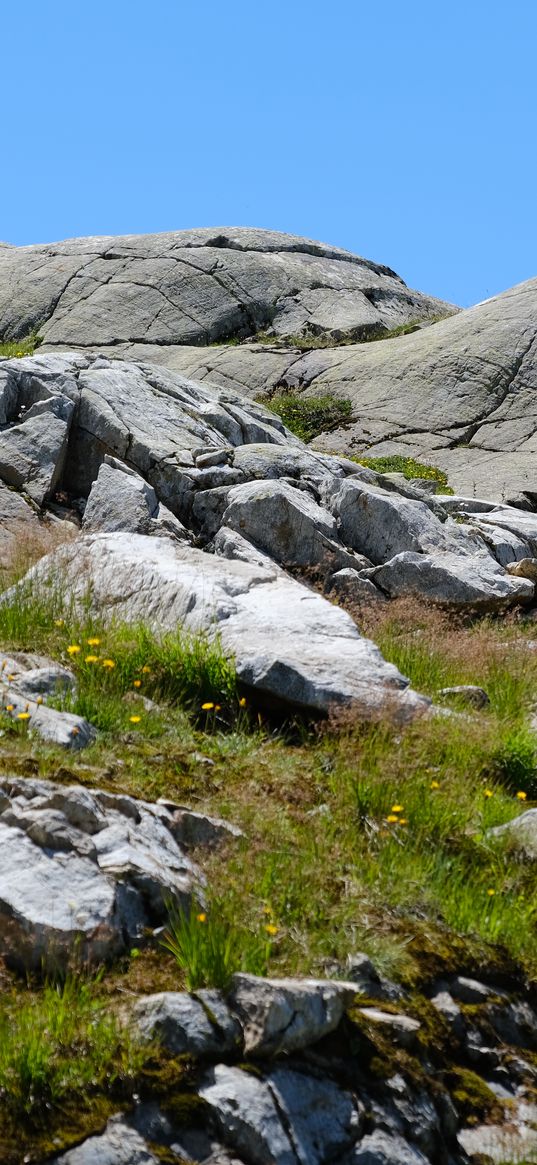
(59,1042)
(306,417)
(515,761)
(405,465)
(209,948)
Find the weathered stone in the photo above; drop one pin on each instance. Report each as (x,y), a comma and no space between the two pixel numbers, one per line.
(288,1118)
(283,1015)
(118,1145)
(402,1028)
(32,452)
(121,500)
(524,568)
(521,833)
(286,640)
(283,521)
(200,1024)
(470,694)
(380,1148)
(456,581)
(83,870)
(348,585)
(197,286)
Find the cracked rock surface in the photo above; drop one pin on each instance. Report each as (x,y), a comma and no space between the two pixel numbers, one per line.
(196,287)
(460,394)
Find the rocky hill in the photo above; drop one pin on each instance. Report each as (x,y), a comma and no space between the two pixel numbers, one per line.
(268,715)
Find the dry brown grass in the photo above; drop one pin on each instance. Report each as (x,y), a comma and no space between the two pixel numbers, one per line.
(32,541)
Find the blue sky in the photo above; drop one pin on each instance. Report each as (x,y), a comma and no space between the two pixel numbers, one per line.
(405,132)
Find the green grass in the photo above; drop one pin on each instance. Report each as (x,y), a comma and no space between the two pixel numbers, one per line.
(22,347)
(308,416)
(209,947)
(58,1042)
(407,466)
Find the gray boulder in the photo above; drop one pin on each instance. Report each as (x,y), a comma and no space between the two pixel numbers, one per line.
(285,522)
(287,641)
(83,871)
(32,451)
(521,833)
(121,500)
(380,1148)
(200,1024)
(287,1118)
(118,1145)
(283,1015)
(454,580)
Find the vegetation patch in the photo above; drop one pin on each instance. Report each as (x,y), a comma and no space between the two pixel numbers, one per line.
(308,416)
(407,466)
(22,347)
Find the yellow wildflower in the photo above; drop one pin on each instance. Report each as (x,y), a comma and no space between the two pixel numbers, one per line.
(491,893)
(207,707)
(23,715)
(521,796)
(137,683)
(392,819)
(271,928)
(108,663)
(135,719)
(435,785)
(74,649)
(93,642)
(9,707)
(403,821)
(201,917)
(91,659)
(217,708)
(242,702)
(39,700)
(397,808)
(488,793)
(146,670)
(59,622)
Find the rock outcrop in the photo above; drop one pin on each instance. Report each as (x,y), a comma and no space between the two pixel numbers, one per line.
(196,287)
(88,872)
(155,463)
(282,1077)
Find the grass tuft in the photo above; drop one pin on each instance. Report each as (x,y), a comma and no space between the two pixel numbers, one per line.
(307,417)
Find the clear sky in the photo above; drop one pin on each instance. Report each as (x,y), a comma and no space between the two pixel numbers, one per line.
(406,132)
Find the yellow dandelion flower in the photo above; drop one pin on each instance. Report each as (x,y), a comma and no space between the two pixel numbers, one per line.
(435,785)
(271,928)
(217,708)
(521,796)
(146,670)
(491,893)
(397,808)
(403,821)
(135,719)
(59,622)
(392,819)
(91,659)
(137,683)
(93,642)
(11,677)
(23,715)
(39,700)
(108,663)
(201,917)
(207,707)
(488,793)
(9,707)
(242,702)
(74,649)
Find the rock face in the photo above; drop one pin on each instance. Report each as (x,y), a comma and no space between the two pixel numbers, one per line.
(460,394)
(157,462)
(282,1077)
(287,641)
(198,286)
(85,871)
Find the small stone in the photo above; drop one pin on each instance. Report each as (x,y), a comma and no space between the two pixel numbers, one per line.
(470,694)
